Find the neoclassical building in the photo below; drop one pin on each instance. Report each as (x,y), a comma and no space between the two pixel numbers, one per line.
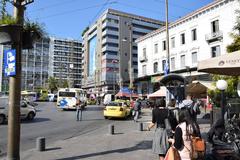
(200,35)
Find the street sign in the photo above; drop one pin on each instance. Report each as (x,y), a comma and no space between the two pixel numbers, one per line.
(10,62)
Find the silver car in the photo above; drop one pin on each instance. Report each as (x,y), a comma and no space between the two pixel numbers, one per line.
(26,110)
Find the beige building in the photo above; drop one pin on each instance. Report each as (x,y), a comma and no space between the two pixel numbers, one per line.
(109,46)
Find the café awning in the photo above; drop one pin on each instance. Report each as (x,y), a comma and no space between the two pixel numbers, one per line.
(227,64)
(200,87)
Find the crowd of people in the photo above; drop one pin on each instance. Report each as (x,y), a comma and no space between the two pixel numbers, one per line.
(175,125)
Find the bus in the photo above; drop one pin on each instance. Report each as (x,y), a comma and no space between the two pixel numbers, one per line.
(67,98)
(29,95)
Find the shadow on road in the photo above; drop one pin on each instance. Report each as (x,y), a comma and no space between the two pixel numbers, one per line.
(140,146)
(95,108)
(36,120)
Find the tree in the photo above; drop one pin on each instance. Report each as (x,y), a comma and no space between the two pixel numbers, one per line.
(65,83)
(52,84)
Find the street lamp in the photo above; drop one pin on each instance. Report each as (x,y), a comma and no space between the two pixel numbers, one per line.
(222,86)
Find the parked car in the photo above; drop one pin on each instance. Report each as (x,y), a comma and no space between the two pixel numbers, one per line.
(116,109)
(26,110)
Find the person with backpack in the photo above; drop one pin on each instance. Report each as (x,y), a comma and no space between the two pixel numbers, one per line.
(137,109)
(185,130)
(188,104)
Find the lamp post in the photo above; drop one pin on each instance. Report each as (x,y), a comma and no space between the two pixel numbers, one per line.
(222,86)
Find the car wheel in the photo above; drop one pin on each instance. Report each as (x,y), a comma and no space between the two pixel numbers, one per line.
(2,119)
(30,116)
(105,117)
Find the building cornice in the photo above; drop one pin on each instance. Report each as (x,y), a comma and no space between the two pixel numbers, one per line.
(186,18)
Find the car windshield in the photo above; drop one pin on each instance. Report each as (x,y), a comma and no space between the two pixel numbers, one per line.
(114,104)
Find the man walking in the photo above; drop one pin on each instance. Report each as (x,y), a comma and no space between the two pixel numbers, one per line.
(137,108)
(78,110)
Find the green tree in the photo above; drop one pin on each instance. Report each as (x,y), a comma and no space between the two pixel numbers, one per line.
(52,84)
(65,83)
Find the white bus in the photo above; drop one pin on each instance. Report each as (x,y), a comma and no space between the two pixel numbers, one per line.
(29,95)
(67,98)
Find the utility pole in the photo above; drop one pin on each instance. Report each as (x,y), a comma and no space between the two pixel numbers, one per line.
(15,90)
(15,87)
(167,37)
(130,60)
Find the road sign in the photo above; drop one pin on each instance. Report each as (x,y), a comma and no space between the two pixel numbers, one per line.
(10,62)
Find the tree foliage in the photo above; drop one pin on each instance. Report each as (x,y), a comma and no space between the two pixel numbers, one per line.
(52,84)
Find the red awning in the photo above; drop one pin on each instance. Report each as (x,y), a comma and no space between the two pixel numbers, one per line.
(122,94)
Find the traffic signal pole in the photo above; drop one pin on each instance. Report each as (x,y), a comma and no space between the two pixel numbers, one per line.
(15,90)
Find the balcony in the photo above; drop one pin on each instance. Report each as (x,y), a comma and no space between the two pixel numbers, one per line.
(143,59)
(215,36)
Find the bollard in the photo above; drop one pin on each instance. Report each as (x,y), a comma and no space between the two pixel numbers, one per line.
(40,145)
(140,126)
(111,129)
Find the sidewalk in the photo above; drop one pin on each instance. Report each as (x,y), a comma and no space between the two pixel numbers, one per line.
(127,143)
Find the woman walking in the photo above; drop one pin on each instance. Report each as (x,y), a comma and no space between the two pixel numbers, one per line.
(182,139)
(160,140)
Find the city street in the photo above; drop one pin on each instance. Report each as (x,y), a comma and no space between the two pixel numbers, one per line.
(55,125)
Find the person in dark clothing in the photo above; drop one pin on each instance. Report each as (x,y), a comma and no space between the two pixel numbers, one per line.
(186,128)
(137,109)
(160,139)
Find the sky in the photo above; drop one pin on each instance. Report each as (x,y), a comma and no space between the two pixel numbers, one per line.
(68,18)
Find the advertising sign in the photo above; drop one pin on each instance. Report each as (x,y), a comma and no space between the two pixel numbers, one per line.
(10,62)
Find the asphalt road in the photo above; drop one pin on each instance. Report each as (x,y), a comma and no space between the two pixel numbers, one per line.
(54,125)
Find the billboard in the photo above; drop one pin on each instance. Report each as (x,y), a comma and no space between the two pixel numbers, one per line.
(92,56)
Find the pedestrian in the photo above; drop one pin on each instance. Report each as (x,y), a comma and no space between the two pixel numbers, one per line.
(160,140)
(183,132)
(188,104)
(79,109)
(172,113)
(137,109)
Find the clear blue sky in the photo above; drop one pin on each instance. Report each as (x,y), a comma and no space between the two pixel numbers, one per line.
(68,18)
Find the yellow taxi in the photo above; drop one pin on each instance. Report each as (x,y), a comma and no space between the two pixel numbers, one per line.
(116,109)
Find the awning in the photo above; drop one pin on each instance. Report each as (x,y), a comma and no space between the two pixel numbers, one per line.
(199,87)
(227,64)
(124,94)
(159,93)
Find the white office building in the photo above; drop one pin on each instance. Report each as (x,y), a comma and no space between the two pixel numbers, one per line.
(200,35)
(65,60)
(110,48)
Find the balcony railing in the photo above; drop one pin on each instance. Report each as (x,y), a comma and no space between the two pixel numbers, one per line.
(215,36)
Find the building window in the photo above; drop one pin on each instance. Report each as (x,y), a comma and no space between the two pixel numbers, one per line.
(156,48)
(155,67)
(163,64)
(194,34)
(172,63)
(164,45)
(144,53)
(215,51)
(194,57)
(182,59)
(182,38)
(173,42)
(144,69)
(215,26)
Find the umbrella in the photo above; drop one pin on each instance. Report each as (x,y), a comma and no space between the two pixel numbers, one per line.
(159,93)
(199,87)
(227,64)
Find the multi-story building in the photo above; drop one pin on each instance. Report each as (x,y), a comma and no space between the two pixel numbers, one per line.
(110,50)
(65,60)
(35,64)
(200,35)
